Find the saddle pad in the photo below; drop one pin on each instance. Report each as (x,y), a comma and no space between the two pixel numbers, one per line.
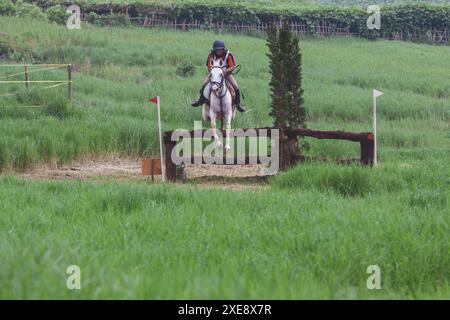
(230,87)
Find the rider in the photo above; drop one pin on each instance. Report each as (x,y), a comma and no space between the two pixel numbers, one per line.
(229,64)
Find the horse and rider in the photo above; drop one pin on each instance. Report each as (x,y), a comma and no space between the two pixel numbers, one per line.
(228,64)
(216,94)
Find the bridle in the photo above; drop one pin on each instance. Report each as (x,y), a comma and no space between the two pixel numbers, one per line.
(221,92)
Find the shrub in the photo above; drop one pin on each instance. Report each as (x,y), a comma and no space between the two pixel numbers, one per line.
(57,14)
(5,48)
(7,8)
(29,10)
(114,19)
(93,18)
(186,70)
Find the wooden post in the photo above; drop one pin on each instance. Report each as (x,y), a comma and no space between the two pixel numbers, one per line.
(171,168)
(367,151)
(284,147)
(288,149)
(26,76)
(69,80)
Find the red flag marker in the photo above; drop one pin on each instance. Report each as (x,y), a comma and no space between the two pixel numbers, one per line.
(153,100)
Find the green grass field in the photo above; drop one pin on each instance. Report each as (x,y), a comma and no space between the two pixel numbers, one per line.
(311,233)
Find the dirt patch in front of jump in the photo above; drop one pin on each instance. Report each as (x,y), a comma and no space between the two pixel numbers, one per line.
(126,169)
(227,176)
(117,168)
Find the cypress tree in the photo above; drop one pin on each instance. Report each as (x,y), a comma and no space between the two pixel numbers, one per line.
(297,112)
(276,82)
(287,106)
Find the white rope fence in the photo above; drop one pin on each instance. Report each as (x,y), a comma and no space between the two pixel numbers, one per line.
(42,67)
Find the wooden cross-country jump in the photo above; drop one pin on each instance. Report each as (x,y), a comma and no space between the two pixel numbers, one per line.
(289,154)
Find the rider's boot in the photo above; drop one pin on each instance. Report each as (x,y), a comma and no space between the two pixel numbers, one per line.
(238,101)
(201,100)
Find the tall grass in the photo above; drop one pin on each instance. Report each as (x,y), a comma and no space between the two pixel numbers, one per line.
(137,241)
(425,183)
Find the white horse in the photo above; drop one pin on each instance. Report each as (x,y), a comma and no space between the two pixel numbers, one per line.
(220,103)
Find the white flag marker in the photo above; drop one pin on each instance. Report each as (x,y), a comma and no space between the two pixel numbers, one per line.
(163,168)
(375,94)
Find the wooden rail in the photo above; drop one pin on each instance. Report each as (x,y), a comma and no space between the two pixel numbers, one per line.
(323,134)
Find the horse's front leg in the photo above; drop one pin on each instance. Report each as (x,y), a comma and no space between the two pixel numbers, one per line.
(228,132)
(213,116)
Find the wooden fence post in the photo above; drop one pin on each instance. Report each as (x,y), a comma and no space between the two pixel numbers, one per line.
(171,168)
(26,76)
(367,151)
(288,149)
(286,145)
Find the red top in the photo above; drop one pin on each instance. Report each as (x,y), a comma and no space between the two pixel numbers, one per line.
(231,61)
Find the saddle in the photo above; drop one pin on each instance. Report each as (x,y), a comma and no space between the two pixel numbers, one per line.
(233,93)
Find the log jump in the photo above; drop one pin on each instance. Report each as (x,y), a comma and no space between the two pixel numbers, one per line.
(288,148)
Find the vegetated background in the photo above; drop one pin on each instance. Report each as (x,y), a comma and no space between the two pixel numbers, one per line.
(263,4)
(416,20)
(311,232)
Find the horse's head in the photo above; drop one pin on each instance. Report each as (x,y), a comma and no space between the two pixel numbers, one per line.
(216,76)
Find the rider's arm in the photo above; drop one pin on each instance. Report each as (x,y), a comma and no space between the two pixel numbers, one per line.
(231,64)
(209,62)
(229,71)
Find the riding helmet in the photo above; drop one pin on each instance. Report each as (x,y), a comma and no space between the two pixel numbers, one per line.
(218,44)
